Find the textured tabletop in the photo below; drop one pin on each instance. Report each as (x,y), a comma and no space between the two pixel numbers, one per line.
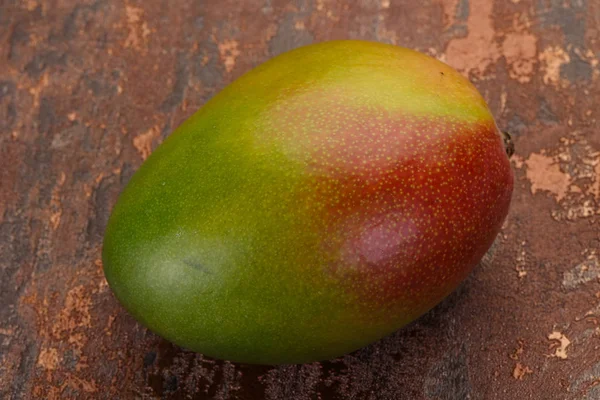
(89,88)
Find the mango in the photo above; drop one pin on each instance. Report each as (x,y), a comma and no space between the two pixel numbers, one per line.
(318,203)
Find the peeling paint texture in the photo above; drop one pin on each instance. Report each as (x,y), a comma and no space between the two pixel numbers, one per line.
(89,88)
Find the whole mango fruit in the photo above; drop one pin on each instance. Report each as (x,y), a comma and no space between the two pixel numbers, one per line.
(318,203)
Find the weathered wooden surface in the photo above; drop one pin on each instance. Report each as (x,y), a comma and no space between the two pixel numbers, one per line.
(89,88)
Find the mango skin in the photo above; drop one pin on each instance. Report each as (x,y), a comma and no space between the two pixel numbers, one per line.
(318,203)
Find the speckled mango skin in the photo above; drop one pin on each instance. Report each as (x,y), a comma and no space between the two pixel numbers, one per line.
(318,203)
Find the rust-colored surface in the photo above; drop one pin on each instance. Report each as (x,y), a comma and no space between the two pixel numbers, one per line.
(89,88)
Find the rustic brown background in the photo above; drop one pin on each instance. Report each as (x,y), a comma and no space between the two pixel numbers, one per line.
(88,88)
